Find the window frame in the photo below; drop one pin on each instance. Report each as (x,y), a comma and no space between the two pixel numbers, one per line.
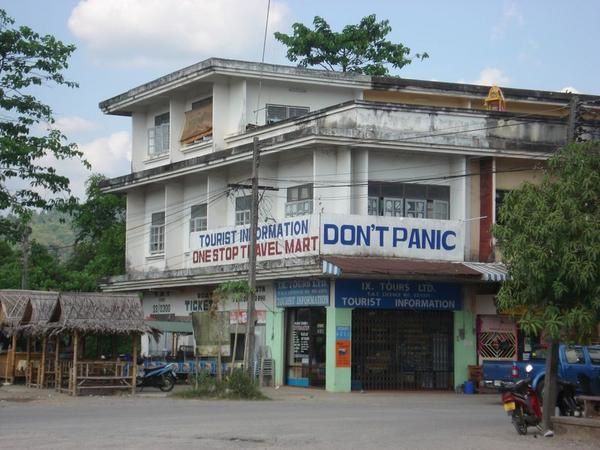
(157,234)
(288,108)
(199,222)
(299,204)
(435,198)
(160,133)
(244,214)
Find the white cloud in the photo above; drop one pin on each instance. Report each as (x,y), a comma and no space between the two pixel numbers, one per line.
(109,155)
(570,90)
(73,125)
(492,75)
(143,32)
(511,15)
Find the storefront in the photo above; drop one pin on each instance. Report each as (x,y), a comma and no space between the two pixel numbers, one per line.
(304,302)
(402,332)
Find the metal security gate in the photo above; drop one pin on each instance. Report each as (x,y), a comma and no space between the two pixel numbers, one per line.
(402,349)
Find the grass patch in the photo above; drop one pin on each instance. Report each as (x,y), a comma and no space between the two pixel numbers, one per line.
(236,386)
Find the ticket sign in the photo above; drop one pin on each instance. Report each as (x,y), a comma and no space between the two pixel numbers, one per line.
(398,294)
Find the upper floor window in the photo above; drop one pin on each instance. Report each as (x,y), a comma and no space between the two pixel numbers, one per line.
(299,200)
(409,200)
(242,210)
(157,233)
(500,196)
(198,122)
(198,220)
(276,113)
(158,137)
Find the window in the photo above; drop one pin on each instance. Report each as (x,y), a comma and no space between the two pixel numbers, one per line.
(242,210)
(409,200)
(277,113)
(198,218)
(157,233)
(198,122)
(299,200)
(158,137)
(574,355)
(594,354)
(500,196)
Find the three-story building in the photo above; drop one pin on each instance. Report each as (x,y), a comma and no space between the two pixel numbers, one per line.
(376,263)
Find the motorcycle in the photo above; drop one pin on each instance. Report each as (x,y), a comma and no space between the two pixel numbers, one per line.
(523,404)
(162,377)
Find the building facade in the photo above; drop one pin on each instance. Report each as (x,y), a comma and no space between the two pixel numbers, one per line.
(376,263)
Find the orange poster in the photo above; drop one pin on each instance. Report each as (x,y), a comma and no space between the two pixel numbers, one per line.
(342,353)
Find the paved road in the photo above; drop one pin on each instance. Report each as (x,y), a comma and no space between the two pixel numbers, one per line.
(295,418)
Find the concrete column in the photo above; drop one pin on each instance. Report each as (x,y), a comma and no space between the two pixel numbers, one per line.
(360,180)
(218,202)
(135,249)
(276,340)
(465,345)
(139,141)
(220,113)
(177,122)
(337,379)
(175,226)
(487,201)
(332,166)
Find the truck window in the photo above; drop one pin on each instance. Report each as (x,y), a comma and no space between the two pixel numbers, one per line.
(594,354)
(574,355)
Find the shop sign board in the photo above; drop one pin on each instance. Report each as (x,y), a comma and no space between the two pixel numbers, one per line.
(240,317)
(301,292)
(332,234)
(398,294)
(343,346)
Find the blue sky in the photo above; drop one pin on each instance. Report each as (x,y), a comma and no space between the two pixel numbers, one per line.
(534,44)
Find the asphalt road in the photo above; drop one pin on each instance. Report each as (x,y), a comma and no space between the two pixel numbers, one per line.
(294,418)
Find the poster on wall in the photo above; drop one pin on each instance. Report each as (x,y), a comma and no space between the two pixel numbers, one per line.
(301,341)
(343,346)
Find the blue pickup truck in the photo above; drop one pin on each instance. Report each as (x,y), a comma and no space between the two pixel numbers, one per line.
(576,364)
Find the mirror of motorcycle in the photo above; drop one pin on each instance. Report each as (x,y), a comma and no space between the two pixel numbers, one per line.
(528,368)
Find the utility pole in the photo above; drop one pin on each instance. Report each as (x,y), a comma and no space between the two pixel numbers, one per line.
(251,310)
(26,247)
(550,392)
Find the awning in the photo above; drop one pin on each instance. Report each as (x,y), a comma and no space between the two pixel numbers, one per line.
(336,265)
(168,326)
(475,271)
(489,271)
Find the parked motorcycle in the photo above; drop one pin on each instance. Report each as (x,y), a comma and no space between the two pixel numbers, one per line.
(162,377)
(523,404)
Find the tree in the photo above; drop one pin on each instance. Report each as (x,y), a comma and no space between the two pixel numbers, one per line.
(29,60)
(358,48)
(99,249)
(549,236)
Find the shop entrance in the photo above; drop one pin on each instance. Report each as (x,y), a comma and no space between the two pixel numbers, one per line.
(402,349)
(305,329)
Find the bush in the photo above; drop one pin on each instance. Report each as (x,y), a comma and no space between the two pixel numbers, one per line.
(236,386)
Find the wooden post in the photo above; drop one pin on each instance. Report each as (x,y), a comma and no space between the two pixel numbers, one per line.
(134,363)
(74,370)
(28,370)
(42,368)
(13,357)
(57,364)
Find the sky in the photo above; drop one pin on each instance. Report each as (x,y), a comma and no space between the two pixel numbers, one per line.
(533,44)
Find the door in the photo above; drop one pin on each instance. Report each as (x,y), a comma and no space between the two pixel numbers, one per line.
(305,346)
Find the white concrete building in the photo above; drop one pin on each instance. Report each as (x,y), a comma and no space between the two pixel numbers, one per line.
(376,262)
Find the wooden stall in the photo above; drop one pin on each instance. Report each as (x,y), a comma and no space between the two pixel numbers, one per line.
(13,306)
(78,315)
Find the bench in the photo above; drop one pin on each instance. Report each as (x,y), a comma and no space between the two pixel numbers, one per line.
(590,404)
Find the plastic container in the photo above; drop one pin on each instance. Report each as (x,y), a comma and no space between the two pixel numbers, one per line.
(469,387)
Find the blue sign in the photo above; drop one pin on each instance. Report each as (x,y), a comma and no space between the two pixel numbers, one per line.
(398,294)
(302,292)
(343,333)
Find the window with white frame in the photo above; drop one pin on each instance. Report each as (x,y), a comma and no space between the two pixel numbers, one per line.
(157,233)
(158,137)
(242,210)
(277,113)
(198,219)
(299,200)
(409,200)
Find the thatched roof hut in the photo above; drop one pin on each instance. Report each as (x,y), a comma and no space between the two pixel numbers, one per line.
(98,313)
(13,308)
(38,312)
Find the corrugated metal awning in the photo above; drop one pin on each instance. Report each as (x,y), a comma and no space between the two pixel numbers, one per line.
(336,265)
(489,271)
(168,326)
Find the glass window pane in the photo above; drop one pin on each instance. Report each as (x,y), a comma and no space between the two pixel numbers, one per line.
(158,218)
(594,354)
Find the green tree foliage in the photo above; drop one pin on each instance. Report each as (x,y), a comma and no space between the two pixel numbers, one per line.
(549,236)
(29,60)
(361,48)
(100,229)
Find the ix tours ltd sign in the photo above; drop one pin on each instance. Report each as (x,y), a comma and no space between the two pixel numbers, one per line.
(331,234)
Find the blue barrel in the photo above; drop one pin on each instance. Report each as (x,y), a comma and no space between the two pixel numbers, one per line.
(469,387)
